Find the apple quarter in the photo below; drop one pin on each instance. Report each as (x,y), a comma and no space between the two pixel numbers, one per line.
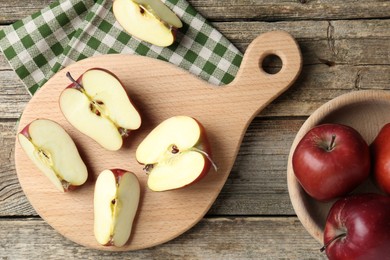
(55,154)
(176,153)
(148,20)
(99,107)
(116,199)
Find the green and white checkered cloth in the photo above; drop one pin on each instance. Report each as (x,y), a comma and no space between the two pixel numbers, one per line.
(70,30)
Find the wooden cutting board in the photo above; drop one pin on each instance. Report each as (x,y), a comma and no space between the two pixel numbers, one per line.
(159,90)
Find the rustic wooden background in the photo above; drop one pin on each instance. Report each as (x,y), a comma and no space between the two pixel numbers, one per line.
(345,46)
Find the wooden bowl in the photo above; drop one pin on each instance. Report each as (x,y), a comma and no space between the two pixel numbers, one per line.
(367,112)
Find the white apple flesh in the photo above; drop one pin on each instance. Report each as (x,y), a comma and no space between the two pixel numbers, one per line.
(53,151)
(176,153)
(99,107)
(116,199)
(148,20)
(160,11)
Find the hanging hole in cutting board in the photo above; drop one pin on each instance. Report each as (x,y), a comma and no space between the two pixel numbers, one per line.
(271,64)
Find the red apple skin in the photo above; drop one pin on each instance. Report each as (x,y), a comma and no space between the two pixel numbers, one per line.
(80,78)
(325,172)
(358,227)
(380,158)
(25,132)
(118,173)
(205,146)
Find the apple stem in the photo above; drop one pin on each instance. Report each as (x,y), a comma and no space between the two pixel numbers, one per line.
(124,132)
(322,249)
(207,156)
(65,185)
(332,143)
(73,80)
(148,168)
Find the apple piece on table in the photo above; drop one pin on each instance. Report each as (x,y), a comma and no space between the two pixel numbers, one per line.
(331,160)
(116,199)
(358,227)
(176,153)
(55,154)
(98,106)
(148,20)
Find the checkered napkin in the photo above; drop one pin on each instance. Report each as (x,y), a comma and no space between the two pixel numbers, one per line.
(70,30)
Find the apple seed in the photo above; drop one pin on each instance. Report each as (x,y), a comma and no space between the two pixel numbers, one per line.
(47,159)
(175,150)
(141,9)
(44,157)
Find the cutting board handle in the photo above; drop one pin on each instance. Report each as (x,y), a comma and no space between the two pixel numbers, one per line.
(253,86)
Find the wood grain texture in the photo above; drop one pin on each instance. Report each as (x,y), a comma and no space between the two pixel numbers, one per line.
(362,62)
(291,9)
(211,238)
(245,9)
(345,49)
(159,93)
(316,85)
(256,185)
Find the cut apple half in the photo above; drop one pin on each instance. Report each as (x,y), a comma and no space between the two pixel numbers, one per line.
(98,106)
(148,20)
(55,154)
(176,153)
(116,199)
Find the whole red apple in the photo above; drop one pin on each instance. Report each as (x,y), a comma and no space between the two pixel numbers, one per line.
(331,160)
(358,227)
(380,150)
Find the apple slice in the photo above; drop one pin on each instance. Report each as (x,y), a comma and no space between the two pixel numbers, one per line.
(148,20)
(98,106)
(175,154)
(116,199)
(53,151)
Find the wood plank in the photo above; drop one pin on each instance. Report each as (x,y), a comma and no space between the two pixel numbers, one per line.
(321,83)
(291,9)
(211,238)
(13,95)
(261,10)
(353,53)
(359,59)
(257,184)
(316,85)
(13,202)
(341,42)
(12,11)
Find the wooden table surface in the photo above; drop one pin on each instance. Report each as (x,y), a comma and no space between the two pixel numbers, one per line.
(345,46)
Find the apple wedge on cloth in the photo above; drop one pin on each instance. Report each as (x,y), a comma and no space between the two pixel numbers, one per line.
(116,198)
(148,20)
(176,153)
(98,106)
(53,151)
